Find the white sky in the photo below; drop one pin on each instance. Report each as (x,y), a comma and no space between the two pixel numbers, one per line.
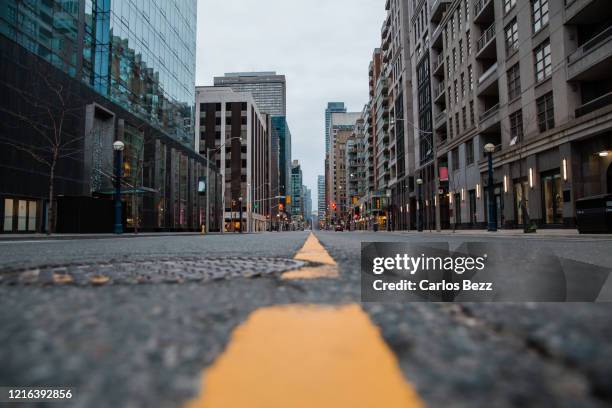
(323,47)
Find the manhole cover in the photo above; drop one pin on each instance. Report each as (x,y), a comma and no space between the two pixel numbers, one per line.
(165,270)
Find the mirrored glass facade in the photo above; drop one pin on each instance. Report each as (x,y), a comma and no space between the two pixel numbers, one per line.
(138,53)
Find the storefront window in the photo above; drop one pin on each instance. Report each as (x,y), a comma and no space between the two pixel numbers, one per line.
(518,196)
(23,215)
(8,215)
(32,216)
(552,197)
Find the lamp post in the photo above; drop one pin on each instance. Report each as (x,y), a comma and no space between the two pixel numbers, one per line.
(240,212)
(118,147)
(489,148)
(419,204)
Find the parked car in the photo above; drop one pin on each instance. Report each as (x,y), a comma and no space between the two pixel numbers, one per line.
(339,228)
(594,214)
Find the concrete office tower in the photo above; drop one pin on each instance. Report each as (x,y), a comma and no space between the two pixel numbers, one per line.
(230,124)
(297,203)
(307,199)
(321,205)
(355,168)
(340,129)
(396,163)
(331,107)
(531,78)
(269,90)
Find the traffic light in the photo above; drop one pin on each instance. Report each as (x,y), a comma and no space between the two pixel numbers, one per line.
(281,207)
(334,206)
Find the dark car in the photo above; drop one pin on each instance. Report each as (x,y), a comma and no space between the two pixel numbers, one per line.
(339,228)
(594,214)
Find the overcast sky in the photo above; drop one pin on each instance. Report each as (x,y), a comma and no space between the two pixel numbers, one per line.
(323,47)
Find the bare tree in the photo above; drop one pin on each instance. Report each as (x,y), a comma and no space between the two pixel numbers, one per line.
(48,105)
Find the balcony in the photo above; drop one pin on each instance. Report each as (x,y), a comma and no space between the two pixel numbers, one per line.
(438,66)
(438,9)
(440,120)
(487,83)
(593,60)
(593,105)
(438,93)
(485,46)
(483,11)
(386,26)
(436,37)
(489,120)
(586,11)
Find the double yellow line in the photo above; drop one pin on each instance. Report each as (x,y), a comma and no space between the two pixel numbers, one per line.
(299,356)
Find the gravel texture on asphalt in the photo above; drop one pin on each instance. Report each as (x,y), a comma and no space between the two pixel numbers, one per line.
(146,345)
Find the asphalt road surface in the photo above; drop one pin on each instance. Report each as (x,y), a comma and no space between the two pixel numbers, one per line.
(135,322)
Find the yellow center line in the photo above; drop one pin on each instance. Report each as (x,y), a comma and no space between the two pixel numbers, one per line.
(313,251)
(305,357)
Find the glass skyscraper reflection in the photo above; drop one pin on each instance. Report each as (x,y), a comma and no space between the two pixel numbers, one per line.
(138,53)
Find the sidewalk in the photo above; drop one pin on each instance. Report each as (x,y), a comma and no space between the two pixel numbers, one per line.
(28,237)
(541,233)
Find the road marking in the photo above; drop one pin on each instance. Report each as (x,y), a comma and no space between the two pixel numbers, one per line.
(302,356)
(313,251)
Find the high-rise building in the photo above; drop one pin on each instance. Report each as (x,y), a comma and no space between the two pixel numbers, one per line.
(282,136)
(331,108)
(307,199)
(269,90)
(341,127)
(355,168)
(149,71)
(233,133)
(297,203)
(321,205)
(107,71)
(529,79)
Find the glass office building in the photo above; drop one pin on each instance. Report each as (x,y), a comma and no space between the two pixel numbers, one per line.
(138,53)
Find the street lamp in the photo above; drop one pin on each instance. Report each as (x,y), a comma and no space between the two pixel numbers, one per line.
(240,212)
(419,204)
(118,147)
(489,148)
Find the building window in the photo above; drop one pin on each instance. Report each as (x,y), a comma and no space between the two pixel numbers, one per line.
(543,61)
(546,112)
(455,158)
(516,126)
(514,82)
(469,152)
(454,59)
(462,85)
(460,51)
(511,35)
(508,4)
(468,40)
(471,75)
(456,92)
(450,128)
(464,117)
(457,122)
(539,10)
(472,112)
